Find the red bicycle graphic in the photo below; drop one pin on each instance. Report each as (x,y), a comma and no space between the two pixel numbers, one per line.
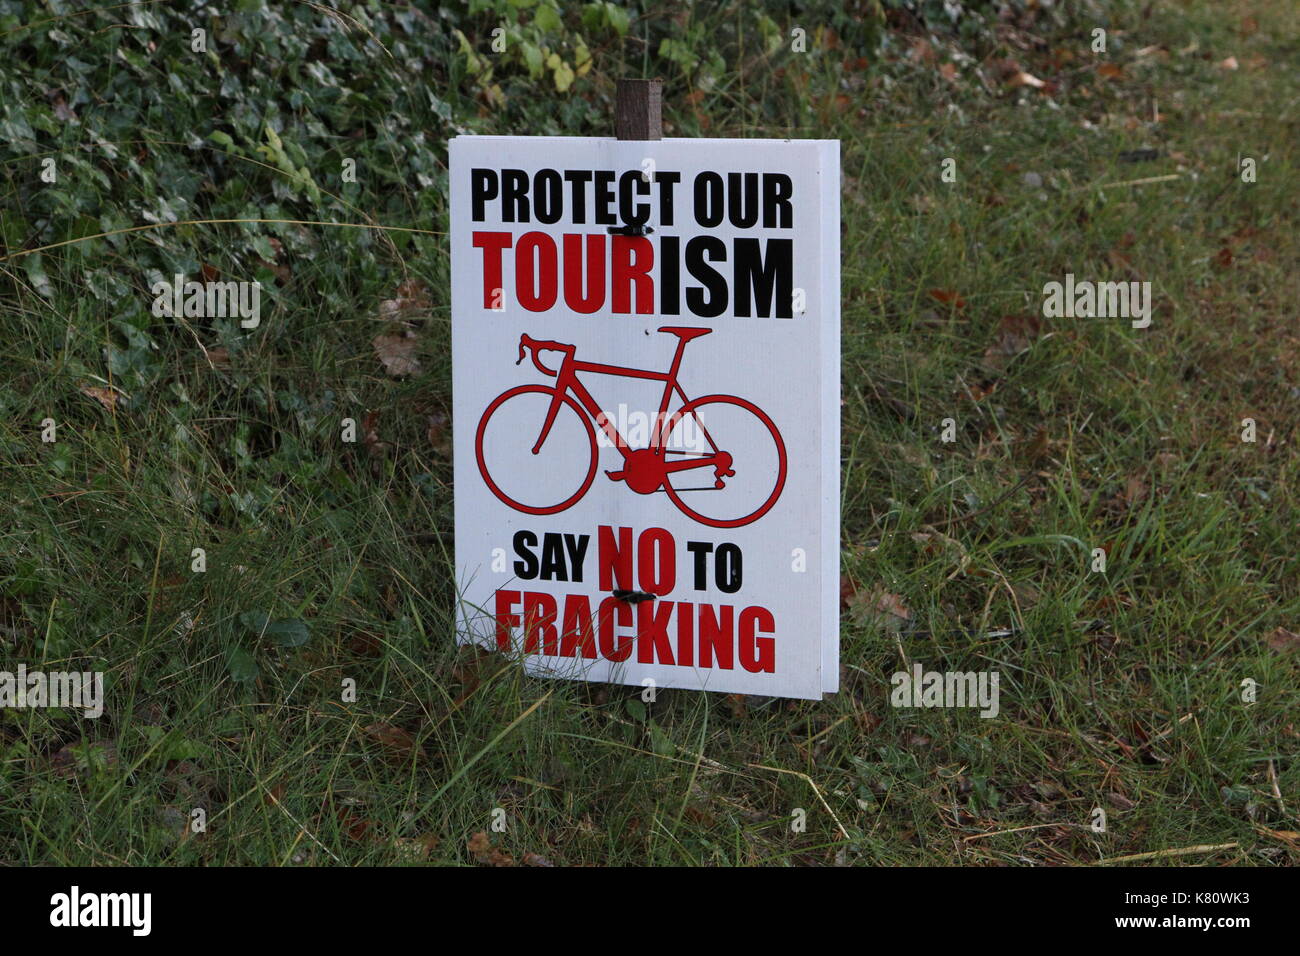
(748,471)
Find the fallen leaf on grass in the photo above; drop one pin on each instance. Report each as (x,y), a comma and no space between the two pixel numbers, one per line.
(397,353)
(1284,641)
(63,111)
(1015,334)
(370,435)
(414,849)
(1134,490)
(948,297)
(412,296)
(357,827)
(877,603)
(437,434)
(397,743)
(1289,837)
(936,544)
(1229,64)
(1022,78)
(848,590)
(481,848)
(1109,71)
(107,397)
(1039,445)
(85,756)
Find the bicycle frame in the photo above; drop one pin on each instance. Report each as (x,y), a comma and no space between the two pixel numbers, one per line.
(567,381)
(645,469)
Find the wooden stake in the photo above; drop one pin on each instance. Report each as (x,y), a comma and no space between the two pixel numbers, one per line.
(638,109)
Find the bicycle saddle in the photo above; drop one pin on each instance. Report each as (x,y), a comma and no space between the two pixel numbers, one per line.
(684,333)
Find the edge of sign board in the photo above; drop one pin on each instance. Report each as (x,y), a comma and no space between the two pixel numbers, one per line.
(830,412)
(666,139)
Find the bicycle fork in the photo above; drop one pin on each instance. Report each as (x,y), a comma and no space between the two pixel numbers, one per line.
(556,399)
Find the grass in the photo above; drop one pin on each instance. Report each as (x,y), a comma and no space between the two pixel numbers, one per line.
(1120,690)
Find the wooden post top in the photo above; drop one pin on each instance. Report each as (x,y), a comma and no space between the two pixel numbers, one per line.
(638,109)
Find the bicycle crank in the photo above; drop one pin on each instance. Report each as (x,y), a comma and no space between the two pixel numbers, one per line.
(643,471)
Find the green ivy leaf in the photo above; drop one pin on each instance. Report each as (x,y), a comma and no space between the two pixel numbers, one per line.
(635,709)
(242,666)
(547,19)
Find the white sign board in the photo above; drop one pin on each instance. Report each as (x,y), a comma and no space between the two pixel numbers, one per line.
(646,408)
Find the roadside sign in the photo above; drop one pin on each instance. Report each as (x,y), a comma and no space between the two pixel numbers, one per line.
(646,406)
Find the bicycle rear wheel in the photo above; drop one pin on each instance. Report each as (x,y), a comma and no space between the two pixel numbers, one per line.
(706,426)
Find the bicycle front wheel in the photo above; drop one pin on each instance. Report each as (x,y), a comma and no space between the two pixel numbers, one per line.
(535,480)
(724,433)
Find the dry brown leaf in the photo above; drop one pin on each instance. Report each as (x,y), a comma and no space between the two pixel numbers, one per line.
(890,603)
(1290,837)
(370,435)
(397,743)
(880,606)
(1284,641)
(415,849)
(436,432)
(1109,71)
(481,848)
(948,297)
(1021,78)
(411,296)
(63,111)
(848,590)
(921,52)
(397,353)
(82,756)
(1015,334)
(107,397)
(1039,445)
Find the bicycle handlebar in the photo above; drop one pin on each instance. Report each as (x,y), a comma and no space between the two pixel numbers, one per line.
(527,342)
